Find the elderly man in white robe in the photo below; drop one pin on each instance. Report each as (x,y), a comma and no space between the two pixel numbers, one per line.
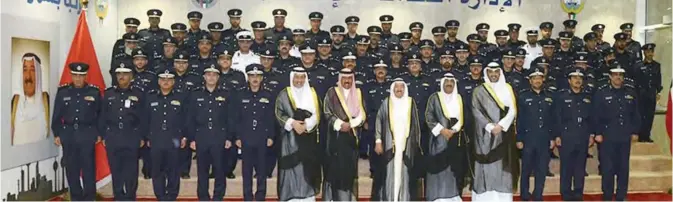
(496,165)
(398,144)
(30,105)
(447,147)
(297,109)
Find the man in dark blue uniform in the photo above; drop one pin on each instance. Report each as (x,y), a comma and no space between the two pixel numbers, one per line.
(364,58)
(230,79)
(576,42)
(122,132)
(278,29)
(416,29)
(126,56)
(501,44)
(315,32)
(254,131)
(274,79)
(396,66)
(546,30)
(166,122)
(131,27)
(325,56)
(338,44)
(599,29)
(428,63)
(617,123)
(377,88)
(473,46)
(513,77)
(649,86)
(462,54)
(201,59)
(439,37)
(405,42)
(142,76)
(632,45)
(259,41)
(185,81)
(216,38)
(165,60)
(534,133)
(154,36)
(229,35)
(298,39)
(194,33)
(485,47)
(452,40)
(565,53)
(351,36)
(284,60)
(362,73)
(420,85)
(387,36)
(447,62)
(376,48)
(513,41)
(74,123)
(318,75)
(574,134)
(625,57)
(179,31)
(591,48)
(210,132)
(520,59)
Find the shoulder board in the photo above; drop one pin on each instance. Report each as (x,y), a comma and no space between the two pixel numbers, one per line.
(603,86)
(67,85)
(135,87)
(111,88)
(524,90)
(197,88)
(153,91)
(192,73)
(150,71)
(565,90)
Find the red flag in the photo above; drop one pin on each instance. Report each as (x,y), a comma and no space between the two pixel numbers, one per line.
(81,50)
(669,118)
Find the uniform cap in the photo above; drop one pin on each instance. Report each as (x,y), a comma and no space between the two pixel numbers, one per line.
(536,71)
(590,36)
(626,26)
(167,74)
(565,35)
(279,13)
(547,25)
(416,26)
(570,23)
(386,19)
(244,35)
(178,27)
(123,68)
(363,40)
(576,72)
(427,43)
(337,29)
(216,27)
(194,15)
(374,30)
(138,52)
(235,13)
(352,20)
(521,52)
(254,69)
(501,33)
(131,37)
(483,27)
(154,13)
(78,68)
(268,52)
(439,30)
(597,27)
(315,16)
(452,24)
(620,36)
(649,46)
(131,22)
(514,27)
(258,25)
(404,36)
(349,56)
(473,38)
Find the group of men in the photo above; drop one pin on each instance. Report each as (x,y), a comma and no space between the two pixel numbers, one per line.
(432,116)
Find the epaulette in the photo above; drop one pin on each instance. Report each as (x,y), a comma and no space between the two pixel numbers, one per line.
(92,87)
(111,88)
(141,89)
(153,91)
(199,88)
(65,85)
(524,90)
(603,86)
(150,71)
(565,90)
(193,73)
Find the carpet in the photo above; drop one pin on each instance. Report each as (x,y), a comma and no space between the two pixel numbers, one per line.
(587,197)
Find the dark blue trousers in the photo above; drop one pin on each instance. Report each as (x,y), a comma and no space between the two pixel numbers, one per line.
(207,156)
(185,162)
(165,177)
(123,161)
(648,103)
(146,156)
(80,159)
(230,158)
(614,158)
(534,158)
(272,156)
(254,158)
(573,164)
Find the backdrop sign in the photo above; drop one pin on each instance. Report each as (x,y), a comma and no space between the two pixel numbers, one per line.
(572,7)
(71,5)
(204,3)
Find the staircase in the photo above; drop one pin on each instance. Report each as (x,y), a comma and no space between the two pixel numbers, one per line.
(650,172)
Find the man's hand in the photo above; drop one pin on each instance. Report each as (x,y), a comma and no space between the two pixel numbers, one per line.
(366,126)
(496,130)
(192,145)
(269,142)
(142,143)
(378,148)
(599,138)
(148,144)
(57,141)
(299,127)
(447,133)
(103,142)
(227,144)
(239,144)
(591,140)
(345,127)
(99,139)
(519,145)
(634,137)
(551,144)
(183,143)
(558,141)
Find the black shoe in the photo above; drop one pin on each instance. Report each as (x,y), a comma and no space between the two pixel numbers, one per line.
(648,140)
(590,156)
(147,177)
(211,175)
(269,177)
(231,176)
(549,174)
(554,156)
(586,173)
(185,176)
(194,158)
(364,156)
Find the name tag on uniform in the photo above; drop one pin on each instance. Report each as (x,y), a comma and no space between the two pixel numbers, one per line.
(109,98)
(587,100)
(127,103)
(426,84)
(219,98)
(175,102)
(358,82)
(145,80)
(628,97)
(133,98)
(529,99)
(195,66)
(264,100)
(608,98)
(154,104)
(273,82)
(199,99)
(568,101)
(372,91)
(190,83)
(245,101)
(320,77)
(90,98)
(66,98)
(468,87)
(548,99)
(234,81)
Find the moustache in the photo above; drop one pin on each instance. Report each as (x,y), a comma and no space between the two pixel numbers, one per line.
(28,81)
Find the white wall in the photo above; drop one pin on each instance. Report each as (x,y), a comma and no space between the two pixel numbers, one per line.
(103,32)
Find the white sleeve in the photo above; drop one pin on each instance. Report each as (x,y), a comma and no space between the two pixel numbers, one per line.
(378,141)
(489,127)
(437,129)
(311,122)
(506,121)
(357,121)
(337,124)
(288,124)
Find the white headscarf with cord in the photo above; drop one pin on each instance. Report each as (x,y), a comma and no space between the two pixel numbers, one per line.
(303,97)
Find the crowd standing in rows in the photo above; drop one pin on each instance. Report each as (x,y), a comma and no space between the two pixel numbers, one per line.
(445,112)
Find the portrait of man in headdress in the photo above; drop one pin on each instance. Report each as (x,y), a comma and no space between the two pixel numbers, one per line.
(30,101)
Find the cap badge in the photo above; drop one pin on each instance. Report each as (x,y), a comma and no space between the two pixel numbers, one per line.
(79,68)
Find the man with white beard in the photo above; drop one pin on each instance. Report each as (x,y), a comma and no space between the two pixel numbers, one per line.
(30,105)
